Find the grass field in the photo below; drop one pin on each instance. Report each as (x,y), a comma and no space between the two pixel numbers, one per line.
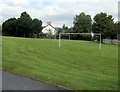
(76,65)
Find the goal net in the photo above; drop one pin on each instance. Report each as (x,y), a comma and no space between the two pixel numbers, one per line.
(92,34)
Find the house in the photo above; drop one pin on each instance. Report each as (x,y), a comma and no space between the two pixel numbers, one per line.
(49,29)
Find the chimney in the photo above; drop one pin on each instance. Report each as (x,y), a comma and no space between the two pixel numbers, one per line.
(48,23)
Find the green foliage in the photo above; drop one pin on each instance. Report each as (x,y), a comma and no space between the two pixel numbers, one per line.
(22,27)
(82,23)
(114,31)
(117,27)
(37,26)
(59,30)
(65,28)
(0,30)
(104,24)
(25,15)
(77,64)
(9,27)
(25,26)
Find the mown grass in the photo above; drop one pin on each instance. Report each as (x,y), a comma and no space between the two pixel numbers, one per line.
(77,65)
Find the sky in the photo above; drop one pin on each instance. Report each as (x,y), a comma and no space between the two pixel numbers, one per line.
(58,12)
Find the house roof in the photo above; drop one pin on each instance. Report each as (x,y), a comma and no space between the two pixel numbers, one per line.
(48,25)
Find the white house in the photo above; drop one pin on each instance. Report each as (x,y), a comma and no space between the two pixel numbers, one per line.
(49,29)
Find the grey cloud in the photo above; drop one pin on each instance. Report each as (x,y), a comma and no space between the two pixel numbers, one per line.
(60,19)
(62,11)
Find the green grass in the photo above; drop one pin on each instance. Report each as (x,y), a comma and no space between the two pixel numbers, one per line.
(76,65)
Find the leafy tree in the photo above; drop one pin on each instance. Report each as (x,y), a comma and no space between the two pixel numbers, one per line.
(116,30)
(36,26)
(82,23)
(0,30)
(59,30)
(104,24)
(113,33)
(24,25)
(9,27)
(65,28)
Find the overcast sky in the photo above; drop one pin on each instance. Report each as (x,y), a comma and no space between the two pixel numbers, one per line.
(59,12)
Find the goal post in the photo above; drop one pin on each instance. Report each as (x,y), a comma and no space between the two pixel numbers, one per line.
(92,34)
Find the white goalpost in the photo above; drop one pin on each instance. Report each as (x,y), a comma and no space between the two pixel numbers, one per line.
(92,34)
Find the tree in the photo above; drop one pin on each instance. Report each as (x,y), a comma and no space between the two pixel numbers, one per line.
(65,28)
(9,27)
(104,24)
(59,30)
(0,30)
(24,25)
(82,23)
(116,29)
(36,26)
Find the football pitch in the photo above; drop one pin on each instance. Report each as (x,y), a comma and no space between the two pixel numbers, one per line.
(78,65)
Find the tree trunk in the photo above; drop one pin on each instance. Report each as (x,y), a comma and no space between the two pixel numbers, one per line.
(24,35)
(112,42)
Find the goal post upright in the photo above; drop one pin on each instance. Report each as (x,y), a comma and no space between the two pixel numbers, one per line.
(100,41)
(82,34)
(69,36)
(59,40)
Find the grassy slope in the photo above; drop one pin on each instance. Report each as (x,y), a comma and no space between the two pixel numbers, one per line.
(77,64)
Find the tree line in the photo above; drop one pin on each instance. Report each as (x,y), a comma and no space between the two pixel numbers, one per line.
(102,23)
(0,30)
(24,26)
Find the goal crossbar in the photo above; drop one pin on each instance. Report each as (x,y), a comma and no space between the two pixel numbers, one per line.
(92,34)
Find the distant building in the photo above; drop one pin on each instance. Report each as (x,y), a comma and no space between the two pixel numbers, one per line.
(49,29)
